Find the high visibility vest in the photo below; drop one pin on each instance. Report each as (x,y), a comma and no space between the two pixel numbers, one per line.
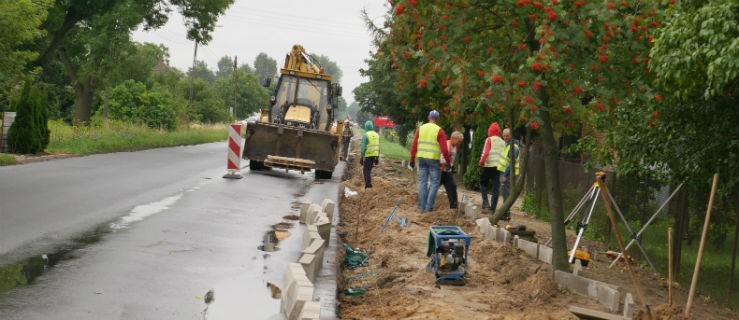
(503,163)
(373,144)
(496,151)
(428,145)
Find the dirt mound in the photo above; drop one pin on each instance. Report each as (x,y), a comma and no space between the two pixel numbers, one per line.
(502,283)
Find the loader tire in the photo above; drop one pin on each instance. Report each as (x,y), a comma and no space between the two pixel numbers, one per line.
(321,174)
(256,165)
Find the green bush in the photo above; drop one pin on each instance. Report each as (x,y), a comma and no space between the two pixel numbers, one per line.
(29,132)
(131,101)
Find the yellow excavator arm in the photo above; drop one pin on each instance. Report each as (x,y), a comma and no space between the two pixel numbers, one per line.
(298,63)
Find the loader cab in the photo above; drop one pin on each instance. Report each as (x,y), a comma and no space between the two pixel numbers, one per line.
(302,102)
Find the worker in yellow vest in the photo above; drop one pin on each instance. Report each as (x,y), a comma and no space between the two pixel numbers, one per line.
(488,166)
(505,168)
(429,146)
(369,153)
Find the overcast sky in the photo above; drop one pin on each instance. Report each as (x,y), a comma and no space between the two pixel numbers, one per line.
(333,28)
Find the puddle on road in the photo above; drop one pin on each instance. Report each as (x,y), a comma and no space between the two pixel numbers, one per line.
(291,217)
(141,212)
(269,242)
(26,271)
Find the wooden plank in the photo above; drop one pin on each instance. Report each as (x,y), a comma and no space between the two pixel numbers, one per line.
(584,313)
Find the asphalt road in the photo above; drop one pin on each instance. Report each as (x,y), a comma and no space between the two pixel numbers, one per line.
(155,232)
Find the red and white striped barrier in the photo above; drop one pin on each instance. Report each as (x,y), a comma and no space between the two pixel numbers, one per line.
(234,152)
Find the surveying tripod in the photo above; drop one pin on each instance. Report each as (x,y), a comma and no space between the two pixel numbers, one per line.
(590,198)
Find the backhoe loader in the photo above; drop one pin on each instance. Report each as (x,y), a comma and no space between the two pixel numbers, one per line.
(298,131)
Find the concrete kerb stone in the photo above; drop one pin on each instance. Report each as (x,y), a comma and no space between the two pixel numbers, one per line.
(304,211)
(471,210)
(328,207)
(297,289)
(308,261)
(606,294)
(313,211)
(311,311)
(483,224)
(324,228)
(545,254)
(629,306)
(316,248)
(310,233)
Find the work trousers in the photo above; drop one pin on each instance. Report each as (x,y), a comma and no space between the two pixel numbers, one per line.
(369,162)
(490,175)
(447,180)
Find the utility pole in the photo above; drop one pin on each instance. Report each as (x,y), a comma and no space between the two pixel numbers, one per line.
(234,88)
(192,73)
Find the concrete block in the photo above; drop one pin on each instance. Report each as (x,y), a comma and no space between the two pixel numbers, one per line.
(604,293)
(311,311)
(317,248)
(328,207)
(528,247)
(545,254)
(324,228)
(304,211)
(514,243)
(577,267)
(319,216)
(629,306)
(310,233)
(507,237)
(471,211)
(309,263)
(296,287)
(489,232)
(313,211)
(584,313)
(482,222)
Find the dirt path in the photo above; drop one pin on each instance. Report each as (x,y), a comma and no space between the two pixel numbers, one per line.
(502,283)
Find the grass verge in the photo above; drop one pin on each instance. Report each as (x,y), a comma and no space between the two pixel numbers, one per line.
(116,136)
(7,159)
(393,150)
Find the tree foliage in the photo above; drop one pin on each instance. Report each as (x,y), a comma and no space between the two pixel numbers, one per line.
(534,62)
(131,101)
(265,67)
(20,23)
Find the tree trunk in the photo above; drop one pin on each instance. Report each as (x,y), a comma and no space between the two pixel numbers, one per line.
(680,210)
(554,194)
(736,241)
(465,151)
(84,90)
(83,102)
(516,182)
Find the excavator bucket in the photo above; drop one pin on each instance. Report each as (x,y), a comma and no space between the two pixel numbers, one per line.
(289,147)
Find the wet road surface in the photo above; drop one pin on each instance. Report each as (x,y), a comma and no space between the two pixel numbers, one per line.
(193,240)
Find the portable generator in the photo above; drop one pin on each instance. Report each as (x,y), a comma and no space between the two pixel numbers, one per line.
(447,248)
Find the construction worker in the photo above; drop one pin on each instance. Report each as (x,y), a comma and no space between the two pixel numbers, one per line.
(505,168)
(488,166)
(369,152)
(448,170)
(429,145)
(346,138)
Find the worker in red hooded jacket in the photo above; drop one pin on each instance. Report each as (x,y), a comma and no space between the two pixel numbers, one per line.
(488,166)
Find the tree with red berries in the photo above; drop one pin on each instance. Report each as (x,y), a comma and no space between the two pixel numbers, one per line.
(523,63)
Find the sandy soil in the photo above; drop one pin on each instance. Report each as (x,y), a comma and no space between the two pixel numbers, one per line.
(502,283)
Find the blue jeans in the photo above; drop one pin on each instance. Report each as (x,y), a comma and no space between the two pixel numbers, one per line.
(429,178)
